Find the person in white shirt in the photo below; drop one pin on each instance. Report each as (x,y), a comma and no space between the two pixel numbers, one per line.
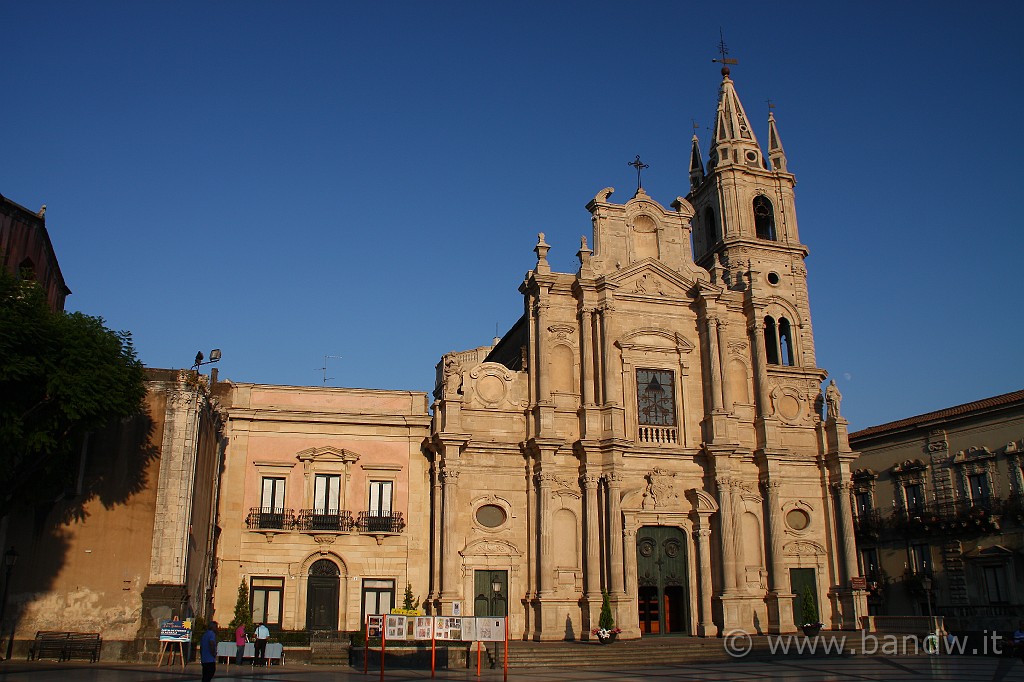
(262,635)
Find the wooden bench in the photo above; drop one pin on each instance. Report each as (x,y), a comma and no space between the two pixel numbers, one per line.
(48,644)
(83,645)
(65,646)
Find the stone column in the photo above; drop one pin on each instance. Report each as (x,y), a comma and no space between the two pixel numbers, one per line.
(715,362)
(780,599)
(728,547)
(723,355)
(587,359)
(531,526)
(546,549)
(760,367)
(615,537)
(737,535)
(539,366)
(435,504)
(606,361)
(701,536)
(450,566)
(841,495)
(593,538)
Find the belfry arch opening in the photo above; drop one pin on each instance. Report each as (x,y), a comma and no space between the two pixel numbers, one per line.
(764,218)
(778,341)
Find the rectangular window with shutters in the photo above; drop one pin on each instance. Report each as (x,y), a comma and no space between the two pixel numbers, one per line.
(272,503)
(378,597)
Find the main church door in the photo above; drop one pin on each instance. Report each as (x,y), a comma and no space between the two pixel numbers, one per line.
(662,579)
(322,596)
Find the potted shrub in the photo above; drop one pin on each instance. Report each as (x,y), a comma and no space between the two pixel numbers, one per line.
(809,621)
(606,631)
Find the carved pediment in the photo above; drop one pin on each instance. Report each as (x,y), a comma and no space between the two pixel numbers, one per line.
(651,278)
(490,547)
(327,453)
(803,548)
(654,339)
(702,501)
(973,454)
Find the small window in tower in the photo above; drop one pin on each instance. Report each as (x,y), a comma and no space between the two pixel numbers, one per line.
(710,228)
(764,218)
(773,278)
(771,346)
(785,342)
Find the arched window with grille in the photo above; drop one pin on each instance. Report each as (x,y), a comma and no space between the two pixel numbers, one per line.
(764,218)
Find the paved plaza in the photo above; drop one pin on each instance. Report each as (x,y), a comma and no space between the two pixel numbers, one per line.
(847,669)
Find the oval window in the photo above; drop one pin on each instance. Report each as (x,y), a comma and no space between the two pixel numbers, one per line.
(797,519)
(491,516)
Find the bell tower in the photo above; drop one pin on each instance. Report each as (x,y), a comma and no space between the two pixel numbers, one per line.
(745,228)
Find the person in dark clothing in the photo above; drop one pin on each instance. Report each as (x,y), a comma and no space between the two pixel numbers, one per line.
(208,651)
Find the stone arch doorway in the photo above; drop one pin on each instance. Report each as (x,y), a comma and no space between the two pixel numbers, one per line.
(662,580)
(322,593)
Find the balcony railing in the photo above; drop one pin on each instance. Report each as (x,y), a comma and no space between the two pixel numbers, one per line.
(376,522)
(270,518)
(659,435)
(960,518)
(319,519)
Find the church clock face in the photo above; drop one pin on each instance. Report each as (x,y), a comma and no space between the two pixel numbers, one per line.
(655,397)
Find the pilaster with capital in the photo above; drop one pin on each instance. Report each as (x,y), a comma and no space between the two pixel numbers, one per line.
(587,361)
(756,329)
(436,495)
(841,492)
(544,532)
(590,484)
(450,570)
(702,538)
(615,537)
(728,546)
(723,356)
(714,362)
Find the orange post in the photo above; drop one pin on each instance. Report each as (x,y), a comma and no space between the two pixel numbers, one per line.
(479,645)
(433,647)
(505,662)
(366,646)
(383,645)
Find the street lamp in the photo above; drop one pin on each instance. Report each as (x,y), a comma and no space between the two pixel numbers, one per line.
(926,583)
(214,357)
(10,558)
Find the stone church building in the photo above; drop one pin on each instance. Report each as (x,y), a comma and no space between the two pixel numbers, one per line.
(652,425)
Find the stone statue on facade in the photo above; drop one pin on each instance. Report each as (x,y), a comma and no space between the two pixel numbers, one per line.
(832,399)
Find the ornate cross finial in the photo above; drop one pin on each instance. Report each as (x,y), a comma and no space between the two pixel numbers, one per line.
(639,165)
(771,105)
(723,50)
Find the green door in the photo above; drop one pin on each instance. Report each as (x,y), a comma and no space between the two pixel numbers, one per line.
(799,580)
(662,579)
(491,593)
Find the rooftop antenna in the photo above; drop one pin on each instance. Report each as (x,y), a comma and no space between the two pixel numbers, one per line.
(724,50)
(324,368)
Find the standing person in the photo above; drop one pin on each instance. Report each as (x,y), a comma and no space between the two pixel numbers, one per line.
(262,635)
(208,651)
(240,643)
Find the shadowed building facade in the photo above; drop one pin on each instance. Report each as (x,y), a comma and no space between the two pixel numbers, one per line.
(652,426)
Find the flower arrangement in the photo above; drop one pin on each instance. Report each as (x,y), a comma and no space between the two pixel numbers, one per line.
(602,633)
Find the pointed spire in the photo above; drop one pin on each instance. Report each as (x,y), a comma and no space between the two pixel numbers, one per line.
(775,151)
(696,164)
(732,140)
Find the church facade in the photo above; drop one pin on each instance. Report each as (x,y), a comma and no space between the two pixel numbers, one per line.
(652,427)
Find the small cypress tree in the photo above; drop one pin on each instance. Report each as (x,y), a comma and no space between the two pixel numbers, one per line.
(809,607)
(410,602)
(605,621)
(243,614)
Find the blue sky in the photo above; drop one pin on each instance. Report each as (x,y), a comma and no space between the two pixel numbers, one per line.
(289,180)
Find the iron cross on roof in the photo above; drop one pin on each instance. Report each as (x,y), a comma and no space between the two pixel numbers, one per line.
(639,165)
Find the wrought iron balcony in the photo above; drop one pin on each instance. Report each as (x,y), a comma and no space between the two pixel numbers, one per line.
(321,520)
(270,518)
(376,522)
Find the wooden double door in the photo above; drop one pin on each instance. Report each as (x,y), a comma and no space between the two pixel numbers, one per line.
(662,580)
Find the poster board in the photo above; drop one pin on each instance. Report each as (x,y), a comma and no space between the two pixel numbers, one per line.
(469,629)
(174,630)
(423,628)
(448,628)
(490,629)
(395,626)
(374,626)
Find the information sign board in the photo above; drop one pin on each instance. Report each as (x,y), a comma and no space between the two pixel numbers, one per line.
(424,627)
(374,626)
(490,629)
(395,626)
(173,630)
